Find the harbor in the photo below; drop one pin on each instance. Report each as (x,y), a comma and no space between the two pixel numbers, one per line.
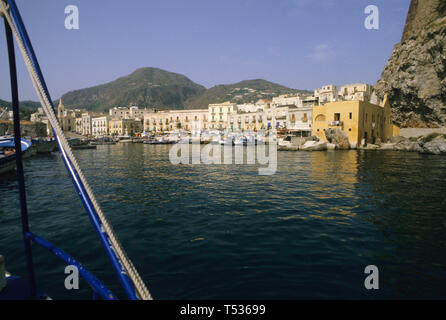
(122,180)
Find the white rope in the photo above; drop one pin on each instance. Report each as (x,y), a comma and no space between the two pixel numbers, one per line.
(140,287)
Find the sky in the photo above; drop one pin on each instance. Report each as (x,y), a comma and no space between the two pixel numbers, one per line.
(301,44)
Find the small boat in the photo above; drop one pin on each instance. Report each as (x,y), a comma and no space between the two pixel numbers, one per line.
(102,141)
(125,138)
(240,141)
(159,140)
(7,153)
(44,145)
(285,141)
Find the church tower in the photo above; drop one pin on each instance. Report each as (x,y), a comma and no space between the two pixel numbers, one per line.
(61,114)
(60,111)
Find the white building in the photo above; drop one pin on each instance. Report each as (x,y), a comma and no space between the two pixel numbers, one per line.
(132,112)
(356,91)
(40,116)
(86,124)
(287,100)
(99,126)
(79,125)
(193,121)
(328,93)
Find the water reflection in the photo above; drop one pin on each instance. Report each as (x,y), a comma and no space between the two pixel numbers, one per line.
(212,231)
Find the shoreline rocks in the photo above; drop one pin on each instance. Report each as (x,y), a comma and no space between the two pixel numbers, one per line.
(337,137)
(434,143)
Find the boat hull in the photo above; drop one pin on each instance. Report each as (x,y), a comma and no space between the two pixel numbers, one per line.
(7,164)
(45,146)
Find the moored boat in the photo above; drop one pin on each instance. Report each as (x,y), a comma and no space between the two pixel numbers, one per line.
(8,153)
(44,145)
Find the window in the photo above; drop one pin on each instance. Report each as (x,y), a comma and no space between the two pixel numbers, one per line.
(350,115)
(337,116)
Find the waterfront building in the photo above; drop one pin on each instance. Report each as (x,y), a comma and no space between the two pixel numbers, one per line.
(218,114)
(358,119)
(193,121)
(40,116)
(328,93)
(86,124)
(357,91)
(99,126)
(127,127)
(66,117)
(249,107)
(299,119)
(132,112)
(242,120)
(287,100)
(79,125)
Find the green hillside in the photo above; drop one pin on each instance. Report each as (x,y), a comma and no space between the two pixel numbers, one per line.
(241,92)
(156,88)
(145,87)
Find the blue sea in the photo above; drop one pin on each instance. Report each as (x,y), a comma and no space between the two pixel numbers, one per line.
(198,231)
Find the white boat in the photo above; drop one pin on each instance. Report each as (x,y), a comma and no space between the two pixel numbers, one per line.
(285,141)
(8,153)
(125,138)
(239,140)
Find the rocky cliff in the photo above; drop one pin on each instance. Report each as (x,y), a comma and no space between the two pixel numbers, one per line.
(415,75)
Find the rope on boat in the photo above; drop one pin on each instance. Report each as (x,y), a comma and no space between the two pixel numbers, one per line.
(140,287)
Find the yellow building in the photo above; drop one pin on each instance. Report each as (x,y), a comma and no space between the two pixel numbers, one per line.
(218,114)
(358,119)
(118,127)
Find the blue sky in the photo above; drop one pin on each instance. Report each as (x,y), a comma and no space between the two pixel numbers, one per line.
(301,44)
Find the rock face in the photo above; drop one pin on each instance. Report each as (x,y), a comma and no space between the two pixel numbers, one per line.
(337,137)
(314,146)
(415,75)
(435,146)
(433,143)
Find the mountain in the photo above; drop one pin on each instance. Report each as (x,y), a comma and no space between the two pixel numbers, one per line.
(26,108)
(31,105)
(241,92)
(145,87)
(415,75)
(151,87)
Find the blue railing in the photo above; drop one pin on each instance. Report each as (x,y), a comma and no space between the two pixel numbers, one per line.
(97,286)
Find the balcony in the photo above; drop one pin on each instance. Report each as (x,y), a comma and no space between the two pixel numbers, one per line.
(335,123)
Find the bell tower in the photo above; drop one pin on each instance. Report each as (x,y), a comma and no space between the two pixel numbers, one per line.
(60,111)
